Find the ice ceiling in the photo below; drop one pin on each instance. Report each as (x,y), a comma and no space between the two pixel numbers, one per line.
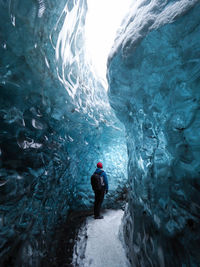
(56,122)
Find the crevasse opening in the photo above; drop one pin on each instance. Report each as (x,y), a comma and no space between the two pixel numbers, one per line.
(103,20)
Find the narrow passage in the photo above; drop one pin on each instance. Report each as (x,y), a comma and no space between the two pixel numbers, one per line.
(98,242)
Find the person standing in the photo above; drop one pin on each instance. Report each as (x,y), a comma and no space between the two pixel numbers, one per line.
(99,182)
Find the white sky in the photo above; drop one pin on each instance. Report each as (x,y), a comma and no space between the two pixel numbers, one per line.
(102,21)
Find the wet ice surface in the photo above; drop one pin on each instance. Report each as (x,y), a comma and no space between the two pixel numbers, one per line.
(99,244)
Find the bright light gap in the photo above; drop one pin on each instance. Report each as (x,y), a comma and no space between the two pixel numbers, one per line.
(102,21)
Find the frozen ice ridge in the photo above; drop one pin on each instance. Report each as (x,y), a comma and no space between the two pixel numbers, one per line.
(98,242)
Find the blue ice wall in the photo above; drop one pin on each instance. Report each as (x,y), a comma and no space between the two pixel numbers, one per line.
(55,125)
(154,82)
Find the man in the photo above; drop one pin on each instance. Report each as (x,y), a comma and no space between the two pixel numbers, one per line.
(99,184)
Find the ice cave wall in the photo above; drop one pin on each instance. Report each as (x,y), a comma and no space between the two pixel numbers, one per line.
(154,82)
(55,124)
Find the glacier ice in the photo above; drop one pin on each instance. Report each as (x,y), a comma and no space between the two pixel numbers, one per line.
(153,75)
(55,124)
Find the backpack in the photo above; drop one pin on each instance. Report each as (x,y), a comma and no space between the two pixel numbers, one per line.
(97,181)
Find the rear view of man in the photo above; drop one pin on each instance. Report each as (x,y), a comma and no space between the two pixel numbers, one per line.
(99,184)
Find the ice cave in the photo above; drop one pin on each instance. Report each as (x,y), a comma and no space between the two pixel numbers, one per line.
(58,117)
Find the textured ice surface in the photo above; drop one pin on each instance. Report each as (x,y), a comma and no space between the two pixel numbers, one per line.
(55,124)
(154,78)
(98,242)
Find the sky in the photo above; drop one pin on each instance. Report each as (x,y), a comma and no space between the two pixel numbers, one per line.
(102,21)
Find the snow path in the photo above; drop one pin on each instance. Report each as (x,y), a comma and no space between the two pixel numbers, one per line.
(98,242)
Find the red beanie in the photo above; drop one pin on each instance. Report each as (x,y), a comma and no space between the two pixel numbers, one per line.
(99,165)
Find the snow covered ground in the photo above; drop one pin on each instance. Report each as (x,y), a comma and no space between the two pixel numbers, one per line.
(98,243)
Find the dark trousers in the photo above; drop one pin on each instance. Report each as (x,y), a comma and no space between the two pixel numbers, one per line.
(99,196)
